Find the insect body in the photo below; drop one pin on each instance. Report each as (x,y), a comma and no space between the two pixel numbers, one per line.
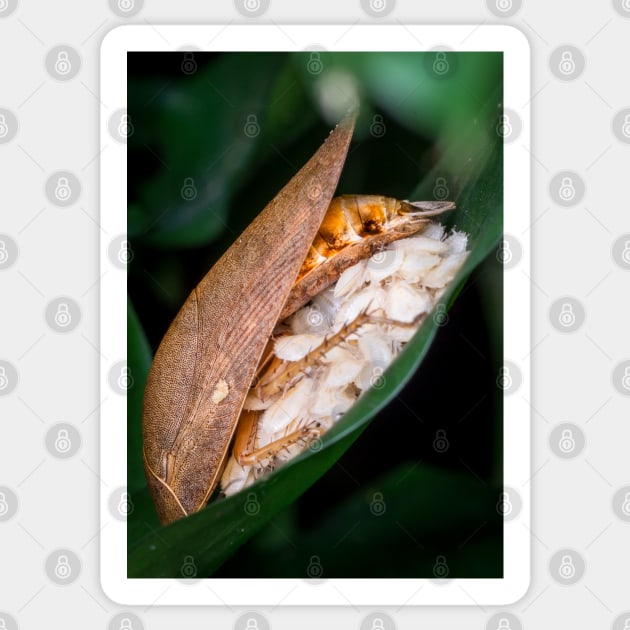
(202,372)
(354,228)
(331,350)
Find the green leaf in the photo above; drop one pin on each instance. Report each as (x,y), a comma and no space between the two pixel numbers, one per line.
(138,361)
(213,534)
(406,518)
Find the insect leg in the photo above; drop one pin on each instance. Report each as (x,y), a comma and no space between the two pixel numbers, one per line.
(304,435)
(290,372)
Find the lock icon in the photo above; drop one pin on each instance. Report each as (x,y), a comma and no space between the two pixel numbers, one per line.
(377,381)
(377,128)
(625,128)
(440,63)
(189,65)
(252,507)
(189,192)
(125,624)
(440,568)
(125,505)
(252,624)
(251,128)
(189,570)
(62,64)
(4,128)
(377,5)
(377,624)
(125,254)
(440,190)
(625,381)
(63,570)
(504,624)
(4,507)
(625,254)
(626,7)
(3,6)
(441,316)
(4,380)
(567,568)
(62,442)
(315,568)
(504,506)
(567,441)
(440,443)
(504,128)
(377,505)
(3,623)
(567,63)
(504,380)
(504,5)
(567,316)
(125,380)
(62,316)
(505,253)
(567,189)
(315,64)
(625,506)
(315,317)
(252,5)
(125,128)
(63,190)
(626,623)
(4,254)
(126,5)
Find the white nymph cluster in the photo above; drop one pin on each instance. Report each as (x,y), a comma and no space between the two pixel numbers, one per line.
(338,346)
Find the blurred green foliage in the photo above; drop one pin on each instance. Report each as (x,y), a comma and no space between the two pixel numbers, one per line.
(210,148)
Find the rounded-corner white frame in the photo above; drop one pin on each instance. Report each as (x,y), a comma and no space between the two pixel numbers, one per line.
(359,592)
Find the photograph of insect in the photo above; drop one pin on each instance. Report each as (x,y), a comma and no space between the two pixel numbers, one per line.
(342,340)
(332,279)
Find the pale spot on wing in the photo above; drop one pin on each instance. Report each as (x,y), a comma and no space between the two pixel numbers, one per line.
(221,390)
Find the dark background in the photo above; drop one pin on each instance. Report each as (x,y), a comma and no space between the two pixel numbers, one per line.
(190,124)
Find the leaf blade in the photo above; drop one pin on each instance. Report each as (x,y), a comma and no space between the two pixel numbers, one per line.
(139,359)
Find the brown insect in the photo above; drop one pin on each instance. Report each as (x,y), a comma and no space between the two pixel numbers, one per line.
(356,227)
(208,358)
(278,420)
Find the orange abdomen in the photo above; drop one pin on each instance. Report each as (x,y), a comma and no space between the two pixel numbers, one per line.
(354,228)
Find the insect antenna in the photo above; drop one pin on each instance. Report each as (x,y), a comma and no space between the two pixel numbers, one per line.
(426,208)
